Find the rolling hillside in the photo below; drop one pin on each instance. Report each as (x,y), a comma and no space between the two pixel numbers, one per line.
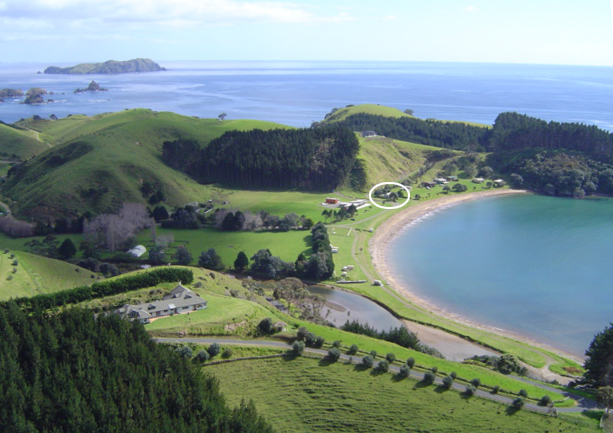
(98,162)
(15,143)
(388,160)
(34,274)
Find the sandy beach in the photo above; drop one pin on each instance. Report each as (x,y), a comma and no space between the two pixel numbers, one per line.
(392,227)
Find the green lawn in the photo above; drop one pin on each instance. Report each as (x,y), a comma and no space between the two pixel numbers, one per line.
(287,245)
(307,395)
(220,311)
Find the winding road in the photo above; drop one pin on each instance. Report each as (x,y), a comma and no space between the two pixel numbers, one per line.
(583,403)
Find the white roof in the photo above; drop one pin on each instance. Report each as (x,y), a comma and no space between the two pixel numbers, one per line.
(138,251)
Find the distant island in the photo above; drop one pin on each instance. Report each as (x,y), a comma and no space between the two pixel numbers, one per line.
(109,67)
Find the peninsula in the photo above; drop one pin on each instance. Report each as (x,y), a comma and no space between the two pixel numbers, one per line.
(108,67)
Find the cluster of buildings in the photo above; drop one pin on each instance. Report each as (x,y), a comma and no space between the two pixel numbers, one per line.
(334,203)
(179,300)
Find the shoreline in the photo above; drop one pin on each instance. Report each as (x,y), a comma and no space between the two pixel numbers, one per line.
(394,226)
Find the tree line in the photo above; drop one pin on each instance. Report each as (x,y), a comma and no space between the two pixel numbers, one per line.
(400,336)
(71,372)
(295,158)
(46,301)
(452,135)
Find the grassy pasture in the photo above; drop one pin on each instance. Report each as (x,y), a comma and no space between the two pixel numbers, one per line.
(36,274)
(307,395)
(19,143)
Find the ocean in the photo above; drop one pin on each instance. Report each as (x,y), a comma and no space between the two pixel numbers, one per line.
(534,265)
(299,93)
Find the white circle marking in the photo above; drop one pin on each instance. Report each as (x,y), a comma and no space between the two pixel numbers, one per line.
(389,183)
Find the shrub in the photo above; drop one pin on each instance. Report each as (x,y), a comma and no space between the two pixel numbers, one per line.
(336,343)
(411,362)
(214,350)
(495,389)
(334,354)
(203,356)
(185,351)
(373,353)
(523,393)
(545,400)
(368,361)
(265,326)
(448,382)
(429,378)
(518,403)
(434,369)
(14,263)
(353,349)
(453,375)
(470,390)
(309,339)
(405,371)
(298,347)
(319,341)
(476,382)
(390,357)
(227,353)
(383,366)
(302,333)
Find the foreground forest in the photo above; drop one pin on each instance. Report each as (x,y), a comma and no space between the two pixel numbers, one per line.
(71,372)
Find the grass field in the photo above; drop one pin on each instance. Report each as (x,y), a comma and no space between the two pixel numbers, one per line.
(19,143)
(35,274)
(222,315)
(307,395)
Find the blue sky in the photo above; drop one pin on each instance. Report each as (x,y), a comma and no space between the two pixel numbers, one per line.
(505,31)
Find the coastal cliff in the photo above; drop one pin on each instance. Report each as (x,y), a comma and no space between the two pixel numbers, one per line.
(109,67)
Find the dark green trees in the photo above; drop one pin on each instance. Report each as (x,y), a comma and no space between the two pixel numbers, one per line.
(210,259)
(241,262)
(71,372)
(320,266)
(67,250)
(599,359)
(182,255)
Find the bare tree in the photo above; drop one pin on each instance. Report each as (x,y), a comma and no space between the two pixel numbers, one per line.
(113,230)
(16,228)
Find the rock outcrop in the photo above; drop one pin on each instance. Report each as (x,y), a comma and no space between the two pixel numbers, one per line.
(93,87)
(35,96)
(11,93)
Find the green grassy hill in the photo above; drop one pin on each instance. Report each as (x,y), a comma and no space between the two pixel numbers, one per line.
(379,110)
(34,274)
(99,162)
(306,395)
(388,160)
(19,144)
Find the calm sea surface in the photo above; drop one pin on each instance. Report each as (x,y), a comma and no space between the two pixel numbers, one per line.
(538,266)
(298,93)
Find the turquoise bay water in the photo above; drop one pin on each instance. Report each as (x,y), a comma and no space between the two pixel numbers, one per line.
(534,265)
